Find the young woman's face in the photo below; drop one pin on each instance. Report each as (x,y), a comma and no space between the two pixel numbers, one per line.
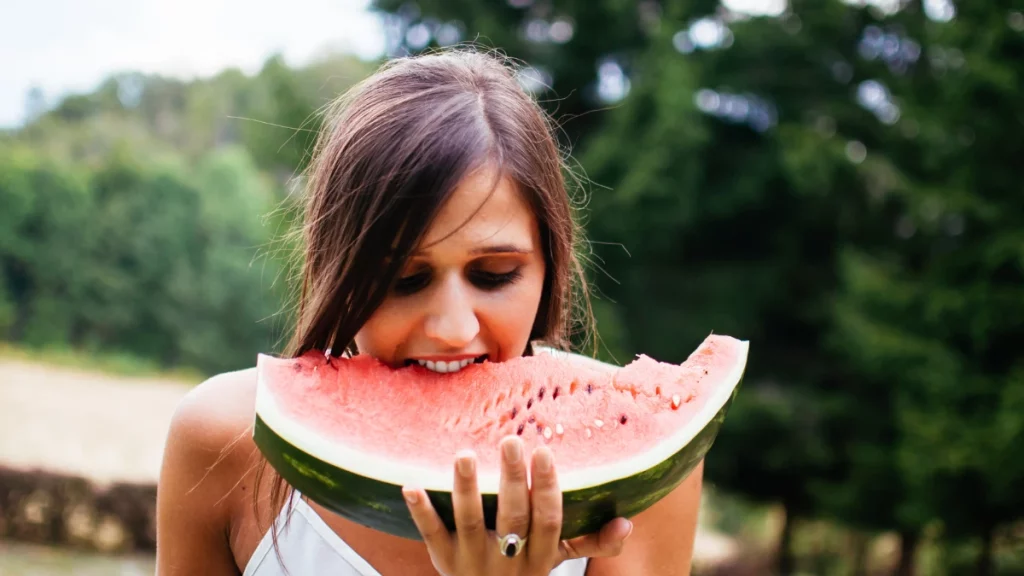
(473,287)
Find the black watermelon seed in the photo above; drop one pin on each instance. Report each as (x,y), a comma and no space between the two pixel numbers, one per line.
(539,428)
(622,419)
(532,419)
(529,403)
(554,395)
(515,410)
(519,430)
(540,395)
(590,388)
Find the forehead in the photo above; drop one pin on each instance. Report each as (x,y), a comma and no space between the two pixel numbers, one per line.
(485,208)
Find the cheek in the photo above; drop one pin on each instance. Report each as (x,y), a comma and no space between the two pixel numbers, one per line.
(384,332)
(508,315)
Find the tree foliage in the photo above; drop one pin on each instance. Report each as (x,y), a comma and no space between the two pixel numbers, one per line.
(835,183)
(147,217)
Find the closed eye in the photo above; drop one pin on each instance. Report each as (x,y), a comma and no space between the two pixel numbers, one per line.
(412,284)
(493,281)
(482,279)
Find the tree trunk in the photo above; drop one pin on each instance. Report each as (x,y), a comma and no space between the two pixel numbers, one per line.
(859,544)
(985,565)
(786,560)
(908,549)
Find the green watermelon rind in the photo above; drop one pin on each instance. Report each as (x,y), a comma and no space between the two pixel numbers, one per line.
(379,505)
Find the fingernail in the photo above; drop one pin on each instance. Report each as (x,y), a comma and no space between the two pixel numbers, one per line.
(411,496)
(630,532)
(542,460)
(465,465)
(513,452)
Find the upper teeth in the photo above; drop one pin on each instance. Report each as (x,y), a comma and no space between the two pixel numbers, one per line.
(443,367)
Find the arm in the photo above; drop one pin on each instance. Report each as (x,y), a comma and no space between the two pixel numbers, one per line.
(662,540)
(193,513)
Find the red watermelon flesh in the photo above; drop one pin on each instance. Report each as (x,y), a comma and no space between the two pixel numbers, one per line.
(589,413)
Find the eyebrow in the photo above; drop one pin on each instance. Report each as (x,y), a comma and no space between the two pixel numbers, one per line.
(500,249)
(495,249)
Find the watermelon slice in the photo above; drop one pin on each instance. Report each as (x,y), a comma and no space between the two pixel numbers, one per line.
(349,433)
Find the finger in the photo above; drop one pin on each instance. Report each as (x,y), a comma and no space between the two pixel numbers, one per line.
(513,492)
(546,510)
(435,534)
(469,510)
(607,542)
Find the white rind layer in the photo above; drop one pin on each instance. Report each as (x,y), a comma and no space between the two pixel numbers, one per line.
(400,474)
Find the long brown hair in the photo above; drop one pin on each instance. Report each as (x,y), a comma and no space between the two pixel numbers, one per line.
(391,152)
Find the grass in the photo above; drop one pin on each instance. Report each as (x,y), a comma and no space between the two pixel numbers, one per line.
(118,364)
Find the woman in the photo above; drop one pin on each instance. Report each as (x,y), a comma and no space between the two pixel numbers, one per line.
(437,228)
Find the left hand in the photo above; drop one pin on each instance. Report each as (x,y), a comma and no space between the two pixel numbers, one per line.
(533,512)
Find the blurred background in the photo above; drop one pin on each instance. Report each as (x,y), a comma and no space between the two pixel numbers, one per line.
(838,181)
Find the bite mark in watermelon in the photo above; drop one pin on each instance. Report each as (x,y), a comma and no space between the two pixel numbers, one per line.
(350,433)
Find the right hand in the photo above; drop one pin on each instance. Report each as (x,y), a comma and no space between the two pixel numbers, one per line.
(472,550)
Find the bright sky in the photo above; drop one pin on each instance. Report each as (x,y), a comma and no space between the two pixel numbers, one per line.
(72,45)
(66,46)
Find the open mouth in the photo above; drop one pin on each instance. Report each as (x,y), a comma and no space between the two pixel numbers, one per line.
(446,367)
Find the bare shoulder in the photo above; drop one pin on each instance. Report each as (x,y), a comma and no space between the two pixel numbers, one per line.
(218,410)
(212,425)
(208,454)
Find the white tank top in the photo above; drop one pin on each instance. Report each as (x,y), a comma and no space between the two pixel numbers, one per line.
(309,546)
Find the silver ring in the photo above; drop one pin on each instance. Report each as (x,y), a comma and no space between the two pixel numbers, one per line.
(511,545)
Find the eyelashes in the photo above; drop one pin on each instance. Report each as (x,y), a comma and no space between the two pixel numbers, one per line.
(411,284)
(492,281)
(484,280)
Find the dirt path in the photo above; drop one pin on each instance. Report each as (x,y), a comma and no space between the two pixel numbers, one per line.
(94,425)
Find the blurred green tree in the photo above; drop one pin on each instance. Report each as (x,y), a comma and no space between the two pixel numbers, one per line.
(148,216)
(42,246)
(934,317)
(771,165)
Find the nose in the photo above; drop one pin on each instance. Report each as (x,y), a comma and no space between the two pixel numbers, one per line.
(452,320)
